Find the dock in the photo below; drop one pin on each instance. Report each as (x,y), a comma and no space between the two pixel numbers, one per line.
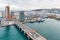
(30,32)
(5,22)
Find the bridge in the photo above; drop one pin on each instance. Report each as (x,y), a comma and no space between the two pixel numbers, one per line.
(27,30)
(30,32)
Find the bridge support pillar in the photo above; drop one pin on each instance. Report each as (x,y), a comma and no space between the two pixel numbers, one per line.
(28,37)
(21,30)
(24,33)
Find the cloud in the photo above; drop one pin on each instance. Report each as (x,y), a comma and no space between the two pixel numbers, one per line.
(29,4)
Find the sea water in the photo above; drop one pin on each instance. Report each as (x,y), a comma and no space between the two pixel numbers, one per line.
(50,28)
(11,33)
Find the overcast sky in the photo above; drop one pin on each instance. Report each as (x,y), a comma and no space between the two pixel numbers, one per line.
(29,4)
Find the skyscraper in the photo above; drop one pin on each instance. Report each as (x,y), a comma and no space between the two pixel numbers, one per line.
(21,16)
(7,10)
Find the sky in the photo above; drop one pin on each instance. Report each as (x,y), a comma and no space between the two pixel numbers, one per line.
(29,4)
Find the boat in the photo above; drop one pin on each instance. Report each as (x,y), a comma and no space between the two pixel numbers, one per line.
(40,20)
(31,21)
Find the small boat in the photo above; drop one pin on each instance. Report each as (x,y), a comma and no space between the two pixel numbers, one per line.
(40,20)
(31,21)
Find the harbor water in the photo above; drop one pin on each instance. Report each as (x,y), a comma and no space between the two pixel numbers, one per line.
(50,28)
(11,33)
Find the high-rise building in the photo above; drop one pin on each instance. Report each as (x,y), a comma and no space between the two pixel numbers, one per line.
(2,15)
(21,16)
(7,10)
(12,14)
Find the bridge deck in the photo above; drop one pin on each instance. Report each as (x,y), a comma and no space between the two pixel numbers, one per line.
(30,32)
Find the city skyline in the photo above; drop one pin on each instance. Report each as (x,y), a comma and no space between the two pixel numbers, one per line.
(29,4)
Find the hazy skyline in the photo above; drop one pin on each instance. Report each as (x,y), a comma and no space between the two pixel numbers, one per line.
(29,4)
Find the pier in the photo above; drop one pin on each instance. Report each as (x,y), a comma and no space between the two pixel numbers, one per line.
(5,22)
(30,32)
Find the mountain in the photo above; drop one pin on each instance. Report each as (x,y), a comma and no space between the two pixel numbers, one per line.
(53,10)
